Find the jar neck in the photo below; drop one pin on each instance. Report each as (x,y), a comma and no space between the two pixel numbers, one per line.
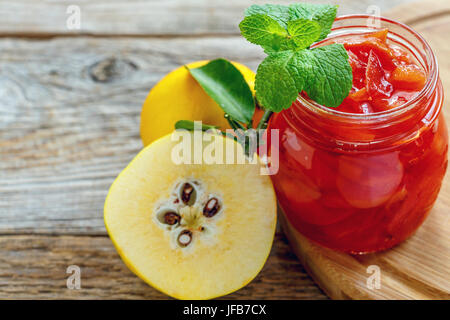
(364,134)
(335,129)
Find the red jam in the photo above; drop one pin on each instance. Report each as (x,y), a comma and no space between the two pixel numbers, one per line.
(362,185)
(384,76)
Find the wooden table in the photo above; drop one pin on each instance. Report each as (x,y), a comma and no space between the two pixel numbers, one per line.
(69,123)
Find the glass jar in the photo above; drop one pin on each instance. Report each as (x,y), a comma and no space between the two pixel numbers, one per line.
(363,182)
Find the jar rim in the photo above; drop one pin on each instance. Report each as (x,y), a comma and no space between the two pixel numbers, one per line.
(431,82)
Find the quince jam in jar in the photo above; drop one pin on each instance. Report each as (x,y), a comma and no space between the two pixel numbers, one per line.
(363,177)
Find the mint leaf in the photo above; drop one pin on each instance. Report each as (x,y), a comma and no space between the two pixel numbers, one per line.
(227,87)
(323,73)
(303,32)
(190,125)
(275,84)
(331,78)
(278,12)
(321,13)
(264,31)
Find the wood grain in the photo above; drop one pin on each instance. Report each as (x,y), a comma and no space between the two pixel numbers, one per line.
(419,267)
(142,17)
(35,267)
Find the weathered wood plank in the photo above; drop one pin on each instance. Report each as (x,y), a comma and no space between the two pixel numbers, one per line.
(35,267)
(69,111)
(139,17)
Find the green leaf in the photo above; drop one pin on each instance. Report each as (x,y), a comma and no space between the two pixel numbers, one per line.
(264,31)
(321,13)
(190,125)
(331,78)
(224,83)
(323,73)
(303,32)
(275,85)
(277,12)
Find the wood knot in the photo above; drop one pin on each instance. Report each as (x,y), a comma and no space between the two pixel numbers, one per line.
(110,69)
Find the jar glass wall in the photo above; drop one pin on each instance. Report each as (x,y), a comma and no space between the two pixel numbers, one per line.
(363,182)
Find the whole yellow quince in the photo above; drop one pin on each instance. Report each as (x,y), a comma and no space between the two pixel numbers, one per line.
(178,96)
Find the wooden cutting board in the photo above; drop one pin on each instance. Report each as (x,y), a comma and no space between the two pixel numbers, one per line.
(419,268)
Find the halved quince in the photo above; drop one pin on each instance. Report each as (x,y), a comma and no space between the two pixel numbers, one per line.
(193,231)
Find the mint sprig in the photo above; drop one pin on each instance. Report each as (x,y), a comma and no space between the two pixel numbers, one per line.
(286,33)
